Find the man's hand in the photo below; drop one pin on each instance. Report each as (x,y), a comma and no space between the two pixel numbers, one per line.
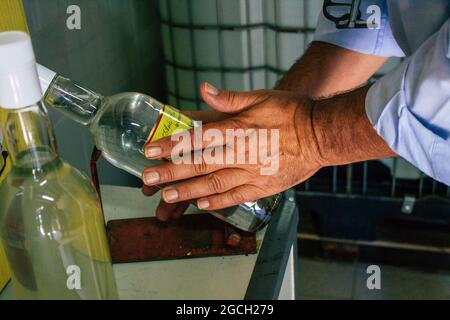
(312,134)
(223,185)
(323,71)
(166,211)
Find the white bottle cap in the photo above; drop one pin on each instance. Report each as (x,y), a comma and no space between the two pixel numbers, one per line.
(19,82)
(46,77)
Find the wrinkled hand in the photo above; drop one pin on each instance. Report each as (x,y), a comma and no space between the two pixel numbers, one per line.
(165,210)
(221,185)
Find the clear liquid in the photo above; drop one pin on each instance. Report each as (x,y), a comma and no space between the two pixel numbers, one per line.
(123,128)
(51,221)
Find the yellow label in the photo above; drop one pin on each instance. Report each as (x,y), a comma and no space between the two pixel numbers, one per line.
(12,16)
(4,270)
(170,121)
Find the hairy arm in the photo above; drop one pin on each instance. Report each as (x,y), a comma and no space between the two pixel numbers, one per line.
(325,70)
(342,131)
(335,78)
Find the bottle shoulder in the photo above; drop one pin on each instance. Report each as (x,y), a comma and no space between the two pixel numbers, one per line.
(125,114)
(135,100)
(54,182)
(59,199)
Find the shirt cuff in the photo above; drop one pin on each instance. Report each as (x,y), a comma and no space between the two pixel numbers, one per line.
(378,42)
(409,107)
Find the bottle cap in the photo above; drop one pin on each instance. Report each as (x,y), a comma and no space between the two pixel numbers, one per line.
(19,82)
(46,77)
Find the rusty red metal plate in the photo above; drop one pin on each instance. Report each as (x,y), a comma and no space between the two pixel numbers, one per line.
(194,235)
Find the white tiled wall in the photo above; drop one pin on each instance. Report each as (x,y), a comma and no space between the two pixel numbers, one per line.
(117,49)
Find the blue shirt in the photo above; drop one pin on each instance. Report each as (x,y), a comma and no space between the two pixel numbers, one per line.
(410,106)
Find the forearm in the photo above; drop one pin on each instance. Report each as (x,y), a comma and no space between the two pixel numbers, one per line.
(342,132)
(326,69)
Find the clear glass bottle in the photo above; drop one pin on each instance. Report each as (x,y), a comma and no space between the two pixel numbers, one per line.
(123,123)
(51,221)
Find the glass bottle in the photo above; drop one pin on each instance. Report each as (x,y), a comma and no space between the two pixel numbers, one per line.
(122,125)
(51,222)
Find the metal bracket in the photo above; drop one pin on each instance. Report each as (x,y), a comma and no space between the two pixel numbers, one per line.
(408,204)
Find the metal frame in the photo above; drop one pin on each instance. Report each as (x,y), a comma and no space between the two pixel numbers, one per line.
(280,239)
(248,27)
(356,181)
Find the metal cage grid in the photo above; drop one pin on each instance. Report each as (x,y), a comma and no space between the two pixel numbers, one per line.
(222,26)
(364,179)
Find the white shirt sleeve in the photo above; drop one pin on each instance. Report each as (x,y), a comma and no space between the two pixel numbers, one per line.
(410,107)
(378,42)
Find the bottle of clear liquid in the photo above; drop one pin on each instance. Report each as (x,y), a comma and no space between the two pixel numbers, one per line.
(51,222)
(122,125)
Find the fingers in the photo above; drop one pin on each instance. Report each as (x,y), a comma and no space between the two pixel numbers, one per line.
(223,101)
(233,197)
(179,210)
(207,116)
(215,135)
(229,101)
(169,172)
(166,211)
(149,190)
(214,183)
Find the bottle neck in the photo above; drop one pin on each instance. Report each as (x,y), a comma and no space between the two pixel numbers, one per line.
(28,136)
(78,103)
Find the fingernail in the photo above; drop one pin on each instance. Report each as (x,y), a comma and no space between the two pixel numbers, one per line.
(171,195)
(210,89)
(203,204)
(151,177)
(152,152)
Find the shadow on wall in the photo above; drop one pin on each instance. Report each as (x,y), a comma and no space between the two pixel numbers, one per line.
(117,49)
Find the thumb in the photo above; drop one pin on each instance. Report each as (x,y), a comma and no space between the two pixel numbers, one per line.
(229,101)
